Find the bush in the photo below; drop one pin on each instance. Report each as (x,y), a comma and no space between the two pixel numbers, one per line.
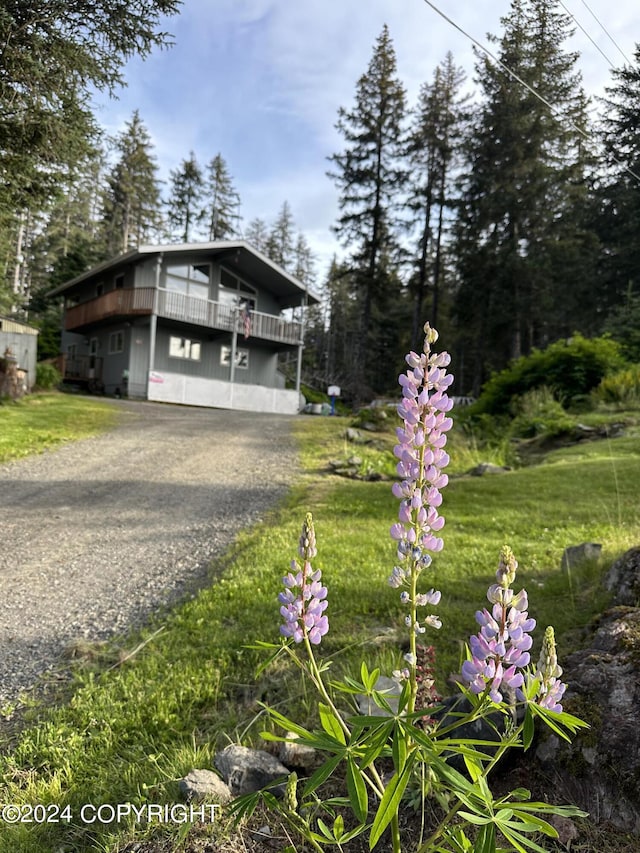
(47,376)
(620,389)
(539,413)
(570,369)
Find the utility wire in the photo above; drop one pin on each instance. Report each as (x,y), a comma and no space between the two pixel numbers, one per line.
(554,110)
(594,43)
(607,33)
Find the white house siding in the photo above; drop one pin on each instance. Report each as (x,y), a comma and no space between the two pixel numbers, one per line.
(167,387)
(262,368)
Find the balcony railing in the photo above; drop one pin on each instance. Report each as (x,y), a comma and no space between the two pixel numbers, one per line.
(183,308)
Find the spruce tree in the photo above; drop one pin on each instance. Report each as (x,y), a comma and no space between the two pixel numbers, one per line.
(619,192)
(280,242)
(434,143)
(186,199)
(371,179)
(257,234)
(523,204)
(132,207)
(222,200)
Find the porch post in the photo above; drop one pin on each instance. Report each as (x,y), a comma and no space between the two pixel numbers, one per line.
(234,347)
(154,321)
(301,344)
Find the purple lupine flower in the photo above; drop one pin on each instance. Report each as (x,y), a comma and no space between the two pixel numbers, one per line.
(421,460)
(500,651)
(548,673)
(304,599)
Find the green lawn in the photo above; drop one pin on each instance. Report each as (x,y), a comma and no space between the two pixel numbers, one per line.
(128,731)
(43,421)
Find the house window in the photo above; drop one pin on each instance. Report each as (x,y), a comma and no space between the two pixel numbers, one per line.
(93,346)
(190,279)
(184,348)
(232,291)
(116,342)
(99,289)
(242,357)
(72,349)
(118,281)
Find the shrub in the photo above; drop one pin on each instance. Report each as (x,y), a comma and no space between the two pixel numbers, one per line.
(570,368)
(539,413)
(621,388)
(47,376)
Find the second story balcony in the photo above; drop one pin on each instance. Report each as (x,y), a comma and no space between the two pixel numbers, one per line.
(122,304)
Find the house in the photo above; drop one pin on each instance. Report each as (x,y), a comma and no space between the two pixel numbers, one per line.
(200,324)
(19,342)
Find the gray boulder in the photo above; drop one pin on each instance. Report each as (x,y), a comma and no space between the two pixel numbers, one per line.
(600,770)
(623,579)
(248,770)
(576,554)
(205,784)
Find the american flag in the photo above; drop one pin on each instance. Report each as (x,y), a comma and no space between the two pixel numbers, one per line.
(246,319)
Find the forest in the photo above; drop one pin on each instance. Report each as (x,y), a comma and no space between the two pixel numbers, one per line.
(505,209)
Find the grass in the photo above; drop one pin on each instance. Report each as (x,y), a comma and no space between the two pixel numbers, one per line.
(128,728)
(42,422)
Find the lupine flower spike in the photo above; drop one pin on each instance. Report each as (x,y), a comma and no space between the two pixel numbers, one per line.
(421,460)
(548,673)
(500,651)
(304,599)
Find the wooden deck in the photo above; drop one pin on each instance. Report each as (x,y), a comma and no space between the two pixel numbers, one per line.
(121,304)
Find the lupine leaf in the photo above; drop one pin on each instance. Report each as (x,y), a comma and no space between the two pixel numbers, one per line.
(486,840)
(321,774)
(388,807)
(330,724)
(357,790)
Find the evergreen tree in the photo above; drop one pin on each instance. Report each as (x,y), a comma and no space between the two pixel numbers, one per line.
(257,234)
(523,210)
(371,181)
(186,211)
(223,201)
(132,208)
(303,266)
(435,140)
(280,242)
(619,193)
(54,55)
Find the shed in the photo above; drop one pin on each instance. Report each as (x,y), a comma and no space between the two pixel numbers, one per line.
(22,341)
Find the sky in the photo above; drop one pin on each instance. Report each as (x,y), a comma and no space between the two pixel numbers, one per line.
(261,82)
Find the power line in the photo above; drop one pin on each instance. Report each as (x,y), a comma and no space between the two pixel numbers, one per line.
(594,43)
(554,110)
(607,33)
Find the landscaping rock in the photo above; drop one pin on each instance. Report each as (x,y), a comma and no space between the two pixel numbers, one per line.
(576,554)
(354,436)
(205,784)
(248,770)
(390,688)
(623,578)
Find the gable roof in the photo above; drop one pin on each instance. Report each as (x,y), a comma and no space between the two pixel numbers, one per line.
(237,255)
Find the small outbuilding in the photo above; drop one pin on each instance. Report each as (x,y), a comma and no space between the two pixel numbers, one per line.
(19,347)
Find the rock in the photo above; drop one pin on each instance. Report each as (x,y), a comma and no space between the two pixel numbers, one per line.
(354,460)
(205,784)
(600,770)
(353,436)
(576,554)
(623,578)
(296,756)
(487,468)
(248,770)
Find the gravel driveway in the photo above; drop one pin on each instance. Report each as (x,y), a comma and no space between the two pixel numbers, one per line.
(99,533)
